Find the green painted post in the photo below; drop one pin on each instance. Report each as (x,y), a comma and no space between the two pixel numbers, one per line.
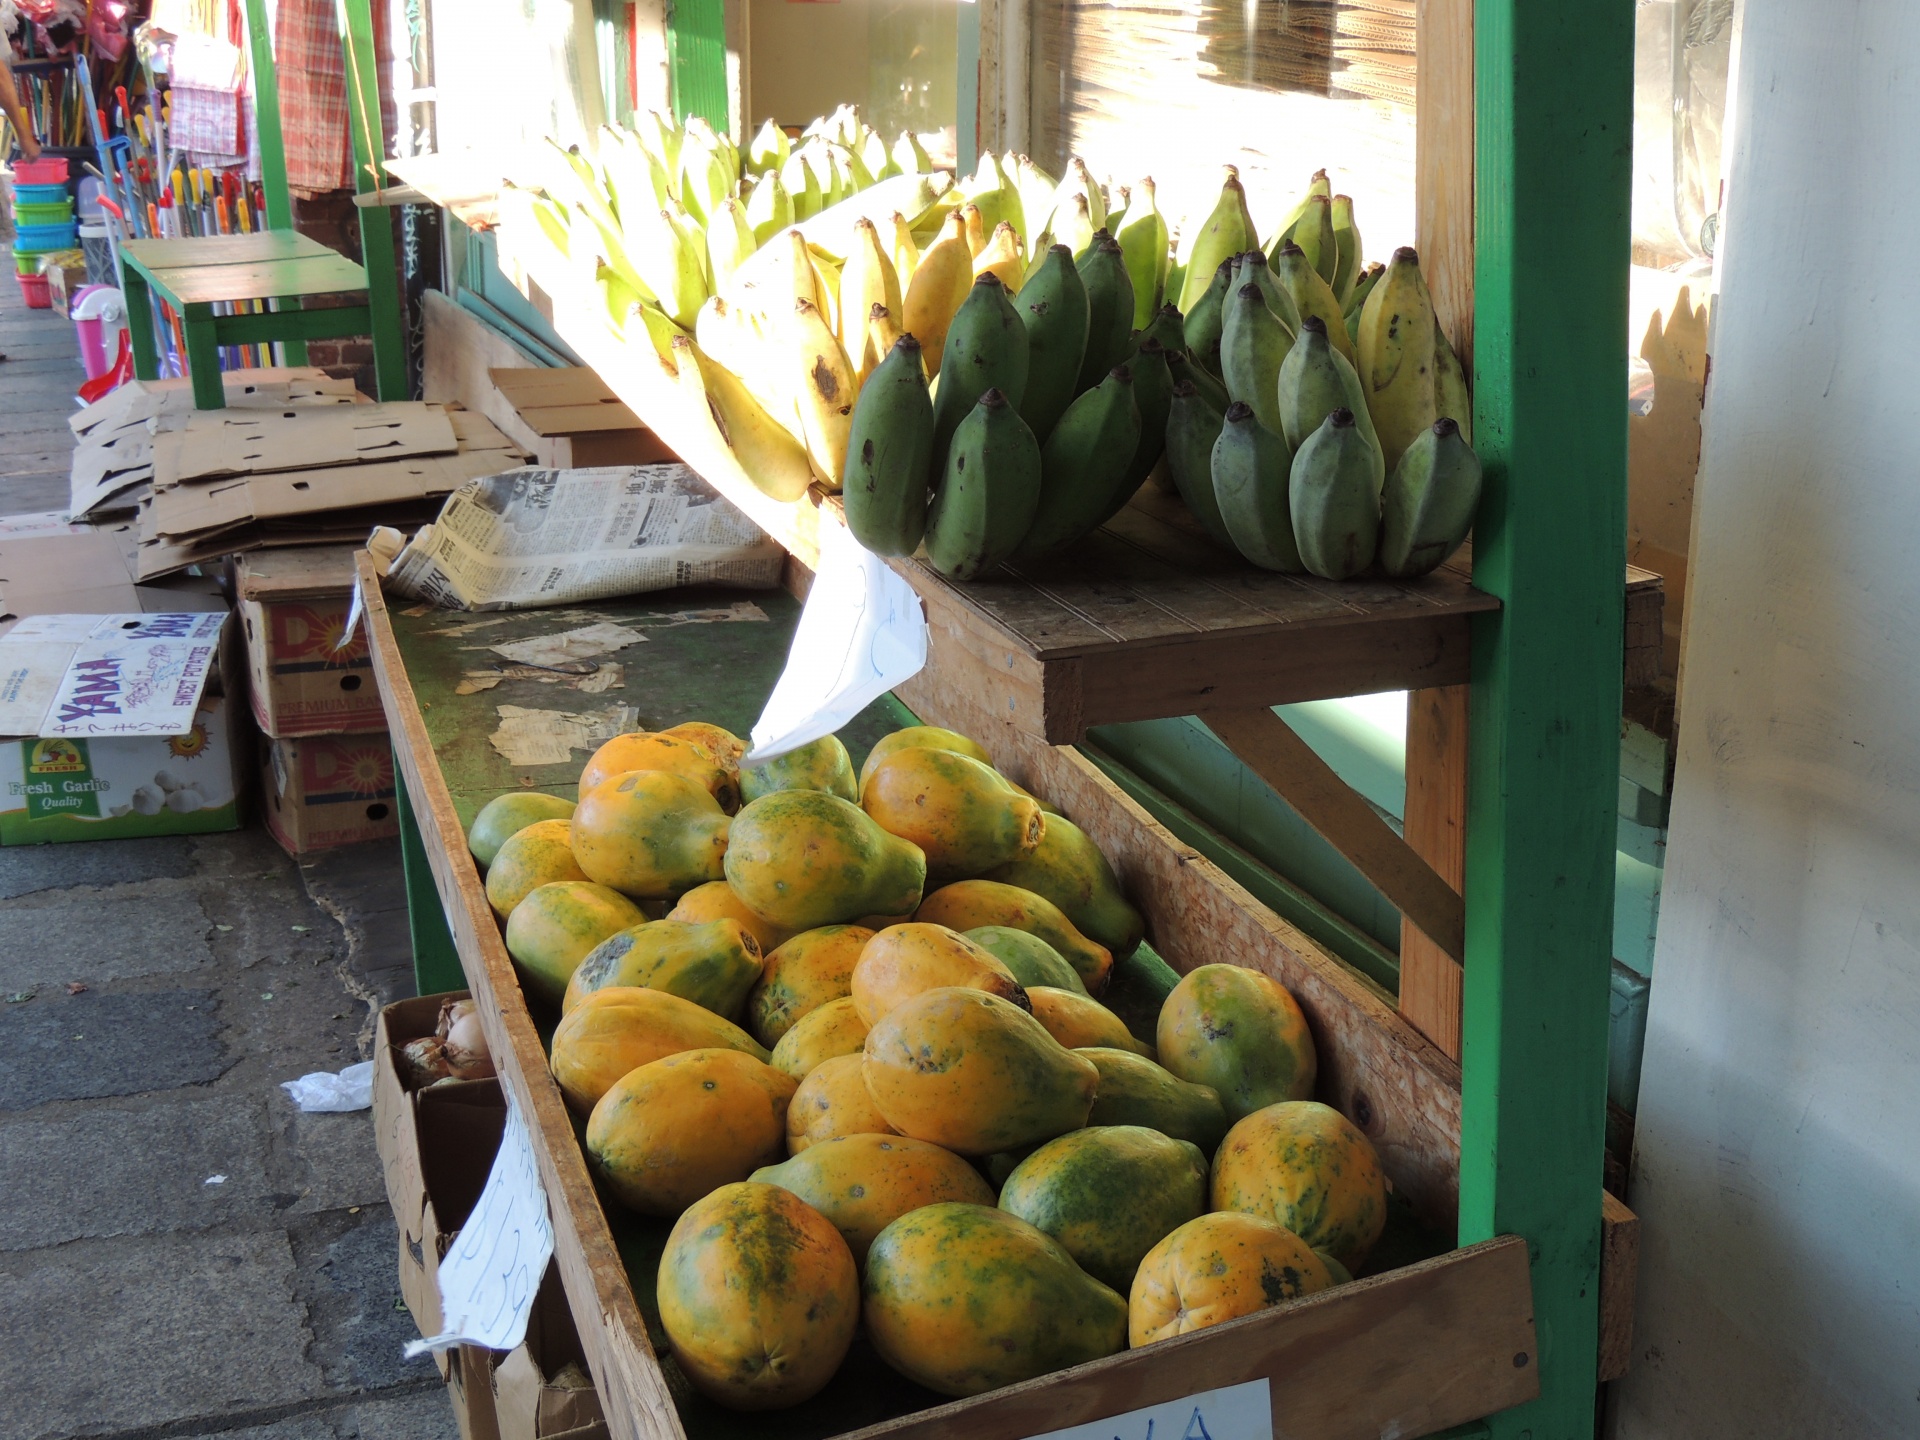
(376,221)
(273,147)
(436,963)
(1554,119)
(697,60)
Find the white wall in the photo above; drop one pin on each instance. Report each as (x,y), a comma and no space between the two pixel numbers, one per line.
(1778,1160)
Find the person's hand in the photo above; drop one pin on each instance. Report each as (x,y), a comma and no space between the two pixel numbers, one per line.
(29,146)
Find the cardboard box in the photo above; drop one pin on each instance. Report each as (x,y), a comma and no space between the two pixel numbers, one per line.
(88,571)
(325,790)
(293,607)
(529,1400)
(63,283)
(572,420)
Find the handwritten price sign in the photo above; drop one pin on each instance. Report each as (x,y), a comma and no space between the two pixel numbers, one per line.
(1238,1412)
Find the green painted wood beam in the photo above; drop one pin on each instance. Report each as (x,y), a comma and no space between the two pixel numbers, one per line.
(273,149)
(436,963)
(697,60)
(1554,149)
(376,221)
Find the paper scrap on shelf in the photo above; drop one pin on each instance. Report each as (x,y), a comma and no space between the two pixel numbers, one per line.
(569,645)
(549,737)
(532,537)
(1236,1412)
(861,632)
(489,1278)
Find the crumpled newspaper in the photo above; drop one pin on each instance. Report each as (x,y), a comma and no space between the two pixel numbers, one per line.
(327,1094)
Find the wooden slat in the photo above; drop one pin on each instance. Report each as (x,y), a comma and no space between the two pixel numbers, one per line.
(632,1388)
(1435,826)
(1619,1280)
(1374,1067)
(1273,751)
(1443,178)
(1407,1353)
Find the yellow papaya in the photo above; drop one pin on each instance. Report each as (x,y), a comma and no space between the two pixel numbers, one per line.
(1135,1091)
(642,750)
(972,1073)
(966,1298)
(553,929)
(834,1028)
(806,972)
(650,834)
(969,904)
(833,1101)
(1067,868)
(962,814)
(713,964)
(617,1030)
(1218,1267)
(904,960)
(1109,1195)
(677,1128)
(759,1297)
(1078,1022)
(1240,1032)
(507,815)
(804,858)
(534,855)
(864,1182)
(715,900)
(716,740)
(1306,1166)
(928,737)
(822,764)
(1031,959)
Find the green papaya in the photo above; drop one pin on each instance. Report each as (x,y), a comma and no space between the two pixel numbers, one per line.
(1067,868)
(1135,1091)
(822,764)
(1032,960)
(1241,1033)
(714,963)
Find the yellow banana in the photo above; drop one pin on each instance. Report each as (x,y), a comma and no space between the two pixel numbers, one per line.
(882,332)
(940,284)
(1396,348)
(906,253)
(1005,257)
(824,381)
(771,458)
(729,241)
(910,155)
(733,336)
(866,280)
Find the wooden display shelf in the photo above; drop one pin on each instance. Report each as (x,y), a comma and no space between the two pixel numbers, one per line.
(1412,1350)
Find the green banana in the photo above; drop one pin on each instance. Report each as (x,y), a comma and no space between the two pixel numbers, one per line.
(729,240)
(1036,189)
(1429,501)
(1315,381)
(1193,424)
(659,136)
(769,208)
(803,185)
(1312,296)
(1363,284)
(890,454)
(1348,255)
(1314,235)
(1316,185)
(1451,397)
(1152,396)
(986,350)
(1206,317)
(1166,327)
(996,196)
(1395,344)
(1249,470)
(1084,463)
(1222,235)
(1143,241)
(1181,367)
(1252,268)
(988,494)
(874,153)
(1253,344)
(769,148)
(1079,181)
(1103,270)
(1334,500)
(1072,223)
(910,155)
(1053,306)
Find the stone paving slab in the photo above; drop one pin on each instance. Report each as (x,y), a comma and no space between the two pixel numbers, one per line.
(30,868)
(347,1279)
(94,1046)
(424,1414)
(150,929)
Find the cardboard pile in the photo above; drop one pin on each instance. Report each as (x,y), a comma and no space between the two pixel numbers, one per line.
(436,1147)
(228,481)
(113,459)
(326,766)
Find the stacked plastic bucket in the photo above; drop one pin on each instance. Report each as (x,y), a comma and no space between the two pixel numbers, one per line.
(43,222)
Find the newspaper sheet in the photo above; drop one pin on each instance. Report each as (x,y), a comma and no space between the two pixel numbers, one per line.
(534,537)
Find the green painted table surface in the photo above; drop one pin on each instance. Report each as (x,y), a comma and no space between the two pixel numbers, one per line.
(686,668)
(221,249)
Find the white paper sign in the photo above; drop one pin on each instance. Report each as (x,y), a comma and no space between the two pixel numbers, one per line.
(488,1279)
(1238,1412)
(136,675)
(861,633)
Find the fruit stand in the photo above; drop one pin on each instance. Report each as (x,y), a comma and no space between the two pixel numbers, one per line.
(1517,674)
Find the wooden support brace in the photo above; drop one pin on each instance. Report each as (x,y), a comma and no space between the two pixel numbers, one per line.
(1269,747)
(1436,828)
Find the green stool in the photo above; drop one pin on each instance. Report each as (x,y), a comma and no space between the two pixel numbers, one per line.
(197,274)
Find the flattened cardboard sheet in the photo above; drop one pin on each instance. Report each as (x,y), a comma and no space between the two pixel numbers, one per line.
(220,443)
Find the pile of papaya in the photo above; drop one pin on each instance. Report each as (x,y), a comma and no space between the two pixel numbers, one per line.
(845,1030)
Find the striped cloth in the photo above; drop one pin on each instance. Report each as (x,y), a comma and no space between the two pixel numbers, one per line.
(309,56)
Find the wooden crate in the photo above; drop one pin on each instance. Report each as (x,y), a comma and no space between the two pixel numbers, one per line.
(1407,1352)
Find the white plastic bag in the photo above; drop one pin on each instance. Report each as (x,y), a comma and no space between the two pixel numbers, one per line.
(322,1093)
